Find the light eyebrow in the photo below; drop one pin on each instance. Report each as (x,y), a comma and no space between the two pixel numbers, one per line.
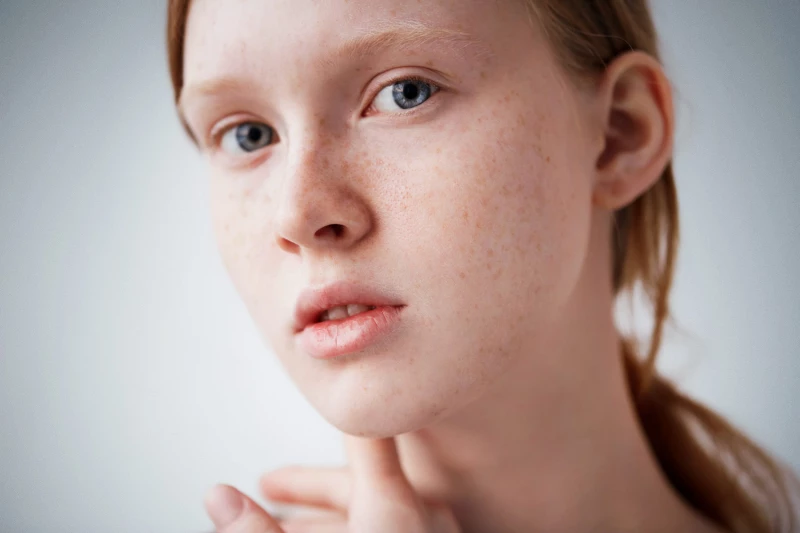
(208,87)
(404,35)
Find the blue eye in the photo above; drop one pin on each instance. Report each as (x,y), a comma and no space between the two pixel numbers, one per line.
(405,94)
(247,137)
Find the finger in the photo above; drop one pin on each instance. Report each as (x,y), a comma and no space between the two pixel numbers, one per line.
(328,488)
(233,512)
(383,499)
(442,520)
(374,461)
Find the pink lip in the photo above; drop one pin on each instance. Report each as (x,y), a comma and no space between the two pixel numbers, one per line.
(333,338)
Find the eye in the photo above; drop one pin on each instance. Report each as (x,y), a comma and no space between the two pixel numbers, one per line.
(247,137)
(405,94)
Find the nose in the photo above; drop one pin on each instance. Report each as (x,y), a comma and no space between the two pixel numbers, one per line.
(319,207)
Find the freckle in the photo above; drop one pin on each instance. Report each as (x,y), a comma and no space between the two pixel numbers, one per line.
(462,275)
(439,150)
(490,252)
(547,159)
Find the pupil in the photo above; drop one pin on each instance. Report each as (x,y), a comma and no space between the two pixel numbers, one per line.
(254,135)
(410,91)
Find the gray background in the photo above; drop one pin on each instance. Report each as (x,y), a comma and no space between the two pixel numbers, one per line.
(131,377)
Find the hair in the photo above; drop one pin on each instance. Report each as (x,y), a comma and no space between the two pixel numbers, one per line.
(714,467)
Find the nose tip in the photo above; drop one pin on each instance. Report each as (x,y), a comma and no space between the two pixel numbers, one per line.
(338,223)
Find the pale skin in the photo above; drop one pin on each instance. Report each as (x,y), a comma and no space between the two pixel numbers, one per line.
(500,404)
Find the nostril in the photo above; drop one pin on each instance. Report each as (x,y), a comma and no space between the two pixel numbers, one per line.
(333,230)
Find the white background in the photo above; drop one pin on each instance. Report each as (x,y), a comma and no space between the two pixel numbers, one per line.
(131,377)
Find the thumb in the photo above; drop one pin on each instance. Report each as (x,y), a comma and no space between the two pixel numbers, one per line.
(233,512)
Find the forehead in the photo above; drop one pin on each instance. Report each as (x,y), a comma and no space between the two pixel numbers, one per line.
(279,37)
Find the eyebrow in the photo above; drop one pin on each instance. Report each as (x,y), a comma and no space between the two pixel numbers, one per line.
(400,35)
(405,35)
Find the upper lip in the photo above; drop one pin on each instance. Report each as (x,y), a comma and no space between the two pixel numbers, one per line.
(313,301)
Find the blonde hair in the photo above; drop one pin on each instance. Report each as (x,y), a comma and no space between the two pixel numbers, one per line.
(716,469)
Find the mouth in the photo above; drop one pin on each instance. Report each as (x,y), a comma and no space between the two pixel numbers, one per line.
(343,311)
(338,301)
(343,318)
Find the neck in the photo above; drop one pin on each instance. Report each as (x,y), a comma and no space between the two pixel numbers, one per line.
(566,455)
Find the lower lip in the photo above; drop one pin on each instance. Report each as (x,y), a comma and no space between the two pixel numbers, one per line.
(334,338)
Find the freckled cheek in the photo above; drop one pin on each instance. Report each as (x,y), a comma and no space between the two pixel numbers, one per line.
(495,191)
(500,204)
(240,220)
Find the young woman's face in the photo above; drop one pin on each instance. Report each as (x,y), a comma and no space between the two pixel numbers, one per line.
(429,152)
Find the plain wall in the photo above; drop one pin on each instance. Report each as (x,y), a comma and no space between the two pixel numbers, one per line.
(131,377)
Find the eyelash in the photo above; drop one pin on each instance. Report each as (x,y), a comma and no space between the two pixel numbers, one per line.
(216,135)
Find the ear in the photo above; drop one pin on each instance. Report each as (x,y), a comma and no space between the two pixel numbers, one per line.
(635,102)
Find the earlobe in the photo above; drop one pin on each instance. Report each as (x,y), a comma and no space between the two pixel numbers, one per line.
(638,122)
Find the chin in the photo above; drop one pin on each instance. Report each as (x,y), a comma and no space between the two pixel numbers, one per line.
(373,417)
(386,392)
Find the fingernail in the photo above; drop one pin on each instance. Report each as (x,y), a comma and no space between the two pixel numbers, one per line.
(224,505)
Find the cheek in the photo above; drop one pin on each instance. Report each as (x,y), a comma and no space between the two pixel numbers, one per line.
(234,231)
(239,214)
(511,207)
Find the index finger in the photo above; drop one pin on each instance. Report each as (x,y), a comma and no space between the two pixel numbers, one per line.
(373,460)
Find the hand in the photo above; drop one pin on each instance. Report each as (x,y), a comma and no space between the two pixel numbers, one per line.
(372,495)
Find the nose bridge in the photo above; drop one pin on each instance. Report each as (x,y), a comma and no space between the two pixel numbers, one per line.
(307,179)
